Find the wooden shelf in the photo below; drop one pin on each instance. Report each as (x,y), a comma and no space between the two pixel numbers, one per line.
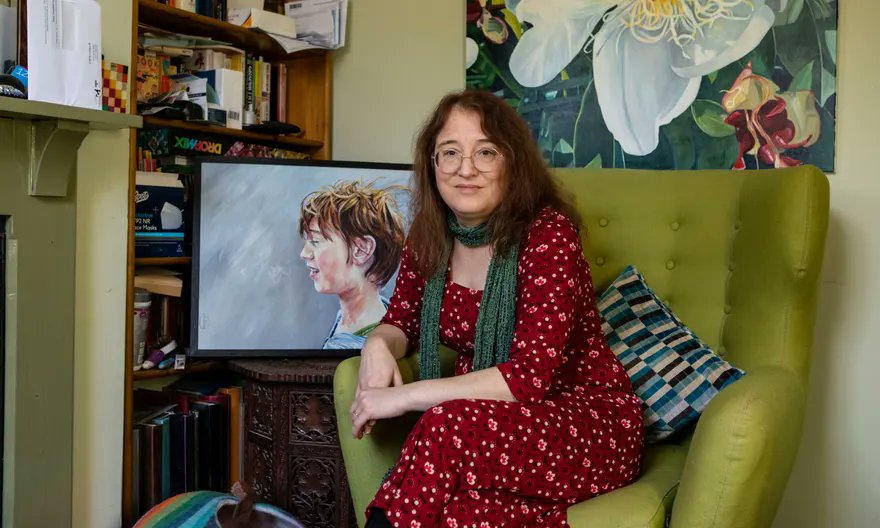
(291,142)
(161,16)
(162,261)
(202,366)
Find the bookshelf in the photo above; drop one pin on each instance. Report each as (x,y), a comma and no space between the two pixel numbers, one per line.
(308,100)
(162,261)
(167,18)
(201,366)
(287,141)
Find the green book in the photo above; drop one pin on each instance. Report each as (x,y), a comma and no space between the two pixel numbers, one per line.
(166,457)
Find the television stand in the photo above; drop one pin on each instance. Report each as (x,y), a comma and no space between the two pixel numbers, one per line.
(292,457)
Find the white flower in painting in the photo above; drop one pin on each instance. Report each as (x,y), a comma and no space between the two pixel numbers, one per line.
(648,55)
(471,52)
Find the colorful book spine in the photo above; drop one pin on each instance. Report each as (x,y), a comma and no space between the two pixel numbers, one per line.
(266,87)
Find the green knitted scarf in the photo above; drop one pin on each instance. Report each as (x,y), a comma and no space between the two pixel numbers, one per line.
(497,315)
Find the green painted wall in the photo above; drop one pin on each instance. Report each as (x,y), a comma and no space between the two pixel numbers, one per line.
(101,240)
(39,348)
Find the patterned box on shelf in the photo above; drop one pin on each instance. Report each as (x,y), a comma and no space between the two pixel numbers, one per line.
(114,97)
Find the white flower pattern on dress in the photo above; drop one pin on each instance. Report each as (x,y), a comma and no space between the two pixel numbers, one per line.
(493,461)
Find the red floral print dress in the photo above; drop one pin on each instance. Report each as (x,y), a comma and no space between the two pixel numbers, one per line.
(575,430)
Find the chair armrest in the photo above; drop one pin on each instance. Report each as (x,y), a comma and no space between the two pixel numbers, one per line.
(368,459)
(742,452)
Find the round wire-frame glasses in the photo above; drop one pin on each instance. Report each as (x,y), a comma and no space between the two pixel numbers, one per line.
(485,159)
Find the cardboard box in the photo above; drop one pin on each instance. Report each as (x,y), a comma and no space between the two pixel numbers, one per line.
(229,85)
(264,20)
(159,207)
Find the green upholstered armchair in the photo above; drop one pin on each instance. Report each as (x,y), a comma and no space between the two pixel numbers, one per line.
(737,256)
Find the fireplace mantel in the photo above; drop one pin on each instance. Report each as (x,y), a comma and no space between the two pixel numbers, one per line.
(39,197)
(47,137)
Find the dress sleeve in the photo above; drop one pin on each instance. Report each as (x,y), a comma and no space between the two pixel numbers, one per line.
(405,308)
(549,290)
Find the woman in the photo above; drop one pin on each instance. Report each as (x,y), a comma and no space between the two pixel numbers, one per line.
(353,239)
(540,414)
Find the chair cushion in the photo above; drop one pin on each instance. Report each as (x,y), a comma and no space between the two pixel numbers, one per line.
(672,370)
(642,504)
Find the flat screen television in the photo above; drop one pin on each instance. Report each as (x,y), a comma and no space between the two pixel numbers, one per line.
(293,258)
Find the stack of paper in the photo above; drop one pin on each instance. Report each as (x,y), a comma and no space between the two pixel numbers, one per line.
(320,24)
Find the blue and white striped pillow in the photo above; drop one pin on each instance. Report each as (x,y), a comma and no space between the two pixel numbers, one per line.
(672,371)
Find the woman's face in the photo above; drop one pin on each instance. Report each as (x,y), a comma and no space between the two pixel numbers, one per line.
(470,194)
(327,259)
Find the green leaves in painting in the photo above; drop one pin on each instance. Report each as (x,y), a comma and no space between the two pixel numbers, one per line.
(803,80)
(563,147)
(710,116)
(797,58)
(596,163)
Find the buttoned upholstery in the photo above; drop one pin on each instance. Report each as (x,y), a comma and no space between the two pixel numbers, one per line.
(737,256)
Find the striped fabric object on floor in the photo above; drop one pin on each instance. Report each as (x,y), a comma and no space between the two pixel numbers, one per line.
(672,371)
(198,509)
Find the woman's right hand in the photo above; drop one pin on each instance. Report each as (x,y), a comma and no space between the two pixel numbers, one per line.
(378,367)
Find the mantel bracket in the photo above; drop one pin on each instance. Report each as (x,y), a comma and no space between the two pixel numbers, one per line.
(51,148)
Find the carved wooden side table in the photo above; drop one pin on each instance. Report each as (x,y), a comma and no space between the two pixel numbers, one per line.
(291,446)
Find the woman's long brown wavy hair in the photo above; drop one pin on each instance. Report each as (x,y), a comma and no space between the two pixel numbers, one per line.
(527,183)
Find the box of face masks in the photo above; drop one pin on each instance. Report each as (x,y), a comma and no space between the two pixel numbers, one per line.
(159,208)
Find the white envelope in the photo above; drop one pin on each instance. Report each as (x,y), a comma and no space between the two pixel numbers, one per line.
(64,52)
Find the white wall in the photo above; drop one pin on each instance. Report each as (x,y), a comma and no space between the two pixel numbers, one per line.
(102,191)
(401,57)
(836,479)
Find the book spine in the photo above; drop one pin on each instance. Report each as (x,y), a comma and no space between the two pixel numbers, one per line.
(186,5)
(267,91)
(282,94)
(275,74)
(258,89)
(249,84)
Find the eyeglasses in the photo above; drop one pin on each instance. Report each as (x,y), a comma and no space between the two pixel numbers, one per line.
(486,159)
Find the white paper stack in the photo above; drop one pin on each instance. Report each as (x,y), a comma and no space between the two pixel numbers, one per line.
(64,52)
(319,23)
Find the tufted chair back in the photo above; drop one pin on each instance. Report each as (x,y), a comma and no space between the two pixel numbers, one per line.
(736,255)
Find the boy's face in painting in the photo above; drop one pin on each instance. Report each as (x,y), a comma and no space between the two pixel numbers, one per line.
(331,265)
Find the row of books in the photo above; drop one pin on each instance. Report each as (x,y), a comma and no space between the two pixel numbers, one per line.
(211,8)
(249,89)
(187,437)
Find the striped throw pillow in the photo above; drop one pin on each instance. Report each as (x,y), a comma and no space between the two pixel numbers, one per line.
(672,371)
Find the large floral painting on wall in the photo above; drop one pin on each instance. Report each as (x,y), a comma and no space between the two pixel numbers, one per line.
(664,84)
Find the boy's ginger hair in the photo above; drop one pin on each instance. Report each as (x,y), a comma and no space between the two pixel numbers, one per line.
(355,209)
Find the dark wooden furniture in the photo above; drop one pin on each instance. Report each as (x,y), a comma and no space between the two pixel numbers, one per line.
(291,443)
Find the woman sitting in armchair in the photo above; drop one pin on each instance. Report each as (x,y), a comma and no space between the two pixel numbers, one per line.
(540,413)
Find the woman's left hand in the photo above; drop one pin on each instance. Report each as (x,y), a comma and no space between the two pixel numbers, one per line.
(375,404)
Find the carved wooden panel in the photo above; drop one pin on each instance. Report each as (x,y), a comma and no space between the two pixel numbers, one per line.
(263,409)
(262,471)
(312,418)
(313,490)
(292,454)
